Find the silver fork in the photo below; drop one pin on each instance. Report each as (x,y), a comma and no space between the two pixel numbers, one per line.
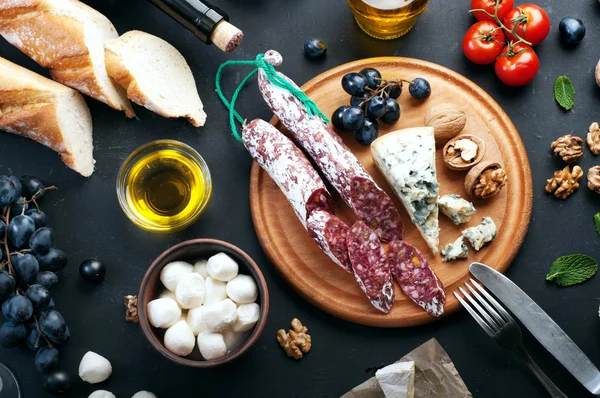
(502,328)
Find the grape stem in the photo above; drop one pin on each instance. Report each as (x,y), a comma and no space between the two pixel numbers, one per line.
(41,334)
(5,241)
(381,87)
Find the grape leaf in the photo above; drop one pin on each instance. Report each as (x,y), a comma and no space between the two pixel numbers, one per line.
(597,222)
(564,92)
(572,269)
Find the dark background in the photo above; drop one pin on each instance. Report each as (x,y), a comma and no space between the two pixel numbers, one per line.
(89,223)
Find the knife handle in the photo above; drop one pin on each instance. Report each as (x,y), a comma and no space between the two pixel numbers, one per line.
(552,389)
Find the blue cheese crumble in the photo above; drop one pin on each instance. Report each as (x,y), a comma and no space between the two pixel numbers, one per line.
(455,250)
(456,208)
(481,234)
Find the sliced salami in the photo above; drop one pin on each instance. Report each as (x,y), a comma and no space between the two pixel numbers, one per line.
(370,266)
(330,233)
(415,277)
(288,167)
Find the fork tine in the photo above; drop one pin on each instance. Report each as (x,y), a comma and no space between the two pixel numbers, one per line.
(493,325)
(475,316)
(493,301)
(499,320)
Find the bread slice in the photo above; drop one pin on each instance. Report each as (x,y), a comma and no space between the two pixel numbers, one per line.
(67,37)
(155,75)
(47,112)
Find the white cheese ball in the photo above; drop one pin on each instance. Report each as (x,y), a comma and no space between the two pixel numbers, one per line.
(195,319)
(143,394)
(233,339)
(168,294)
(179,339)
(102,394)
(212,345)
(172,273)
(190,291)
(163,312)
(219,316)
(200,268)
(242,289)
(247,316)
(222,267)
(214,291)
(94,368)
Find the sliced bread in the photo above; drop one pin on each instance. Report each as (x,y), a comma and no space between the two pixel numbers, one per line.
(47,112)
(155,75)
(67,37)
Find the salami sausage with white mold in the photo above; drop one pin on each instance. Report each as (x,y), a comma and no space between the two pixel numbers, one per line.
(330,233)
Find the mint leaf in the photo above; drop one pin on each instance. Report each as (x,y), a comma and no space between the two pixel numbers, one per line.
(597,222)
(572,269)
(564,92)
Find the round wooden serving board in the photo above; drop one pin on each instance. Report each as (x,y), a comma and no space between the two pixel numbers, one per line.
(330,288)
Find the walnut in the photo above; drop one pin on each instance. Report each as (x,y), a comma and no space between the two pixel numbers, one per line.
(568,147)
(131,313)
(593,178)
(593,138)
(564,182)
(597,74)
(463,152)
(447,121)
(485,180)
(297,341)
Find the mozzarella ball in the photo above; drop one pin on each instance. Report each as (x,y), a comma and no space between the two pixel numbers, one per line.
(247,316)
(242,289)
(214,291)
(179,339)
(211,345)
(143,394)
(222,267)
(168,294)
(190,291)
(172,273)
(219,316)
(102,394)
(200,268)
(163,312)
(94,368)
(233,339)
(195,320)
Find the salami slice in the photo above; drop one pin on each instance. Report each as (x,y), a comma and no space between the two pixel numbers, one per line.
(330,233)
(370,266)
(338,164)
(288,167)
(415,277)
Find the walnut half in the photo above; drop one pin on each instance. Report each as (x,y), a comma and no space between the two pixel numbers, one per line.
(131,311)
(593,178)
(593,138)
(568,147)
(297,341)
(564,182)
(485,180)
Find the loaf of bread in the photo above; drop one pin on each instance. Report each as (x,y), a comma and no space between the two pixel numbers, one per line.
(67,37)
(155,75)
(47,112)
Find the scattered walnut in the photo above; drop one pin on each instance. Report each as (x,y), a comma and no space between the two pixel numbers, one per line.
(568,147)
(593,178)
(485,180)
(131,313)
(593,138)
(564,182)
(597,74)
(297,341)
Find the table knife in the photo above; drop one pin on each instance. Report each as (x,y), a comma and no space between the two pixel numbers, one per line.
(541,326)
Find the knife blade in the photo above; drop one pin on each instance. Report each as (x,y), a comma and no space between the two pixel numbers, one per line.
(541,326)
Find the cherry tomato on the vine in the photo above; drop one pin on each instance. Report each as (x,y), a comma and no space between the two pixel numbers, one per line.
(483,42)
(517,66)
(530,21)
(504,6)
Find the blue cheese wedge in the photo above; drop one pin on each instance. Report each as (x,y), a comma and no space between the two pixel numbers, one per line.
(397,380)
(457,209)
(481,234)
(455,250)
(407,160)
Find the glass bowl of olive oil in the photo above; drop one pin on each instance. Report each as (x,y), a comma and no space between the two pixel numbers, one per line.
(164,186)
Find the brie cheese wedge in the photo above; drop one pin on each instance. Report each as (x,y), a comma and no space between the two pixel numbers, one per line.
(407,160)
(397,380)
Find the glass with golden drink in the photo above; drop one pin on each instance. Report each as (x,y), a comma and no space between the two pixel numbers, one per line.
(387,19)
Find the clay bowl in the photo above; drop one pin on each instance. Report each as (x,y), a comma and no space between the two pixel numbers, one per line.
(191,251)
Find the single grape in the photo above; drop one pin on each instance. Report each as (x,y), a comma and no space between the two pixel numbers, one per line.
(373,77)
(31,186)
(42,240)
(419,89)
(8,191)
(354,84)
(336,118)
(92,270)
(39,296)
(360,101)
(54,260)
(393,91)
(2,229)
(48,279)
(34,339)
(57,382)
(368,132)
(49,306)
(18,206)
(5,305)
(7,285)
(46,359)
(353,118)
(20,309)
(392,115)
(17,184)
(376,107)
(54,327)
(12,334)
(26,267)
(571,30)
(314,48)
(20,230)
(38,217)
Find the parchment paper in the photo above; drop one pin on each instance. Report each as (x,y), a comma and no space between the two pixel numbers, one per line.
(435,376)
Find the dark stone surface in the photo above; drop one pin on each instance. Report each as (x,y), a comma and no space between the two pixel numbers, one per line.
(88,222)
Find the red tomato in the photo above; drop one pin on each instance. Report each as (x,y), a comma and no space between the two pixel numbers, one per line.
(518,67)
(504,6)
(481,45)
(532,23)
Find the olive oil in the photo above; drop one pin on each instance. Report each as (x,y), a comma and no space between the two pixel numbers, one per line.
(387,19)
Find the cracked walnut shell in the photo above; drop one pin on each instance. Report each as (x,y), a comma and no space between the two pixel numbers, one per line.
(593,138)
(568,147)
(593,178)
(485,180)
(564,182)
(297,341)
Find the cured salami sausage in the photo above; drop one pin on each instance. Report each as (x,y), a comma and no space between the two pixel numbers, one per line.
(288,167)
(338,164)
(370,266)
(330,233)
(415,277)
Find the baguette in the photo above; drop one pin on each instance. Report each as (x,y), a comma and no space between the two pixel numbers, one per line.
(47,112)
(67,37)
(155,75)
